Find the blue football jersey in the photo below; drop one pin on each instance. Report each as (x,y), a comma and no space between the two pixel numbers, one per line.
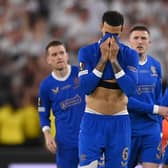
(67,102)
(89,57)
(148,93)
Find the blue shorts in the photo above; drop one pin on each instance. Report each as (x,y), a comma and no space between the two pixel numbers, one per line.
(67,157)
(165,156)
(104,134)
(145,148)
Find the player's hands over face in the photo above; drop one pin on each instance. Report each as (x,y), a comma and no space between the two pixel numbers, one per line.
(113,50)
(105,50)
(50,143)
(163,111)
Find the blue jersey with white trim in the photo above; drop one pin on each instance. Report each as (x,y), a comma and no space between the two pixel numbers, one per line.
(89,56)
(148,93)
(67,102)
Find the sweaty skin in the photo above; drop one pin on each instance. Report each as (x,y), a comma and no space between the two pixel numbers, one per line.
(107,101)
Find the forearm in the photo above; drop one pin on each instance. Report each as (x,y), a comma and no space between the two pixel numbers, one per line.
(137,106)
(46,133)
(90,80)
(101,65)
(125,81)
(116,67)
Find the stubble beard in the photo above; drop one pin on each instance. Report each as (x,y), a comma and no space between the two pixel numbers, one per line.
(60,69)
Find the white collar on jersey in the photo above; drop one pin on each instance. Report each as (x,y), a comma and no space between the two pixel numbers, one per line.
(63,78)
(143,62)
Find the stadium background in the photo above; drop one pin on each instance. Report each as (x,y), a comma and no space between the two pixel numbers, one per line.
(26,26)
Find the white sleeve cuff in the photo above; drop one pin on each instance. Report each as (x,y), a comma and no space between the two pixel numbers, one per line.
(119,74)
(97,73)
(155,109)
(45,128)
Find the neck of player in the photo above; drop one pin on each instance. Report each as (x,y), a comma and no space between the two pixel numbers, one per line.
(61,72)
(142,57)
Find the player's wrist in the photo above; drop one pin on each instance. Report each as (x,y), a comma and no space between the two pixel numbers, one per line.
(119,74)
(98,73)
(102,61)
(46,129)
(100,66)
(155,109)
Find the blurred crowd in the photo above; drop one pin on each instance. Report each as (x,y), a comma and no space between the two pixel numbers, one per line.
(26,26)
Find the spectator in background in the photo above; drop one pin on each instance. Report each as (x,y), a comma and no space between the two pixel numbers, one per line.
(60,92)
(19,123)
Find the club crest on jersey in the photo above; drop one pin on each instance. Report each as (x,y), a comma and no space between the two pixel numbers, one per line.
(82,66)
(153,71)
(55,90)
